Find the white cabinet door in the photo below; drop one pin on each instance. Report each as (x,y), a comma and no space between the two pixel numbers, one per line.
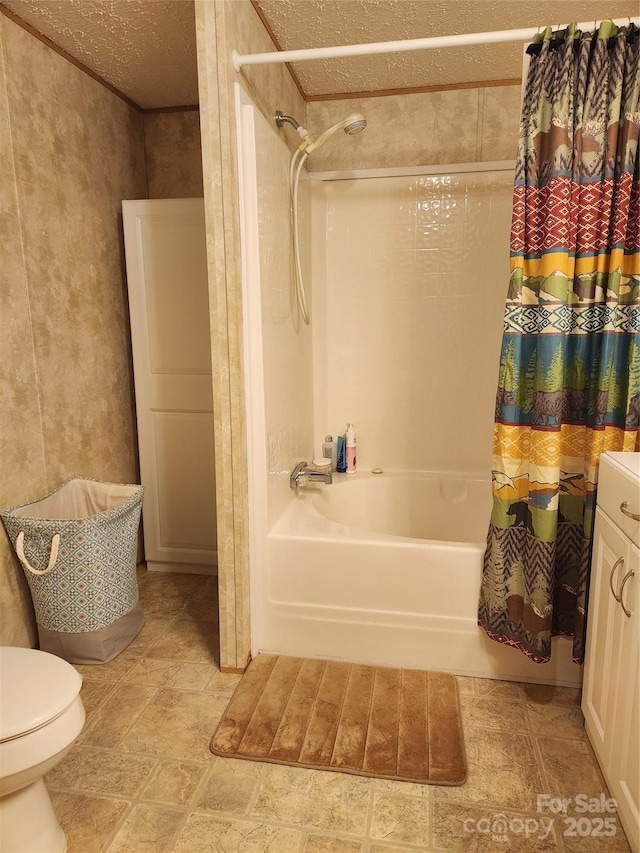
(625,764)
(602,657)
(611,689)
(165,248)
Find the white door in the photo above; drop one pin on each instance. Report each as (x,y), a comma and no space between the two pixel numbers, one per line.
(165,249)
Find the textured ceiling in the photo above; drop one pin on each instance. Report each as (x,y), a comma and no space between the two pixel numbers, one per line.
(320,23)
(146,48)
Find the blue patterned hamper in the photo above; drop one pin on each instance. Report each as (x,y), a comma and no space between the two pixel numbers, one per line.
(78,548)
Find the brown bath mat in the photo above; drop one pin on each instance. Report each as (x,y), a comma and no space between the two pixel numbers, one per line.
(372,721)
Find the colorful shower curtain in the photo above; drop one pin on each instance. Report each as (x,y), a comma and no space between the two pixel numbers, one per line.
(569,380)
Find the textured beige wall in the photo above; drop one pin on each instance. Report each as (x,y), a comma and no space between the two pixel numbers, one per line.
(222,26)
(173,154)
(71,151)
(453,126)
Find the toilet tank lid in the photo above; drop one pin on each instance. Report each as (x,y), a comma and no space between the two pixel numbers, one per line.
(35,688)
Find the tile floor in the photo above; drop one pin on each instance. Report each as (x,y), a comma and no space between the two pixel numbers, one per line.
(141,777)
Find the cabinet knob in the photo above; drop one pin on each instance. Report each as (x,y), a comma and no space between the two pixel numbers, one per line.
(627,512)
(618,562)
(628,575)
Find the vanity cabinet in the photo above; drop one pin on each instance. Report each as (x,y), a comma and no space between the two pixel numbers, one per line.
(611,690)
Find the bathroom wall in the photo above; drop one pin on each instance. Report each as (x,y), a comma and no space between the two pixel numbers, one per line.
(222,26)
(173,154)
(452,126)
(71,150)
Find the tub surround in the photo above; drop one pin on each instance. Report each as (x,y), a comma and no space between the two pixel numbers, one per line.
(409,281)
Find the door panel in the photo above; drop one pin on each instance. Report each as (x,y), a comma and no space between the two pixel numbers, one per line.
(168,299)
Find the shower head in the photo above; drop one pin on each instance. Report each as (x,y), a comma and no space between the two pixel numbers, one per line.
(356,125)
(353,124)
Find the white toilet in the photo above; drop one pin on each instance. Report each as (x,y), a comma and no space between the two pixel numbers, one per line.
(41,715)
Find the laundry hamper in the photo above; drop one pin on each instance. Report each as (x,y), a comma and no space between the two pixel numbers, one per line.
(78,548)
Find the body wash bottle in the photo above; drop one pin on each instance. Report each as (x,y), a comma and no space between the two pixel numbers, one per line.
(350,444)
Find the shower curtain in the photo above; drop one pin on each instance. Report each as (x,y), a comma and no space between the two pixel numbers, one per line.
(569,378)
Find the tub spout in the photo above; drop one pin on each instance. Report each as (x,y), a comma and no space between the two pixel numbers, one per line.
(302,474)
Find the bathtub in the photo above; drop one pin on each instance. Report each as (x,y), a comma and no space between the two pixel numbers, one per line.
(386,569)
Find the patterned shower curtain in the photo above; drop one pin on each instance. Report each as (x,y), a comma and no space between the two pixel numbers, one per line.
(569,379)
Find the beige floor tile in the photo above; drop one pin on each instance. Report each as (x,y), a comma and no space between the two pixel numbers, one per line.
(93,693)
(331,844)
(186,640)
(88,822)
(147,828)
(111,672)
(100,771)
(575,842)
(498,689)
(165,594)
(230,785)
(570,768)
(560,720)
(173,782)
(168,673)
(178,724)
(466,685)
(154,627)
(492,713)
(394,848)
(109,723)
(404,789)
(314,798)
(546,694)
(400,819)
(223,682)
(208,834)
(469,829)
(203,607)
(502,771)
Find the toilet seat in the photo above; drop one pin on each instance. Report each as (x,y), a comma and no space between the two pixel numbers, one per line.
(37,687)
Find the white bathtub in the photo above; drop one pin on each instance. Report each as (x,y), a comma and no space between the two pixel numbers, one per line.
(386,569)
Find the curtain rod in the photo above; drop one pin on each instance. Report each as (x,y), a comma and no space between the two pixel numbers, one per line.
(404,45)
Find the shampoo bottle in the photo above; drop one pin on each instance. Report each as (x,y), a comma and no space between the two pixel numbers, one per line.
(330,451)
(342,459)
(350,444)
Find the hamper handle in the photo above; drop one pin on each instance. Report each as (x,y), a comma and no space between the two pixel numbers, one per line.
(53,556)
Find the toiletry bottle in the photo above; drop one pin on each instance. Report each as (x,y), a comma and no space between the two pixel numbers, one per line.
(350,444)
(330,451)
(341,465)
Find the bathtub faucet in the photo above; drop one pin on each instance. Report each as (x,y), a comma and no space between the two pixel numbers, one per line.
(302,474)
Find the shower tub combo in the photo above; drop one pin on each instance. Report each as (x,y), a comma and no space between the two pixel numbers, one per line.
(386,568)
(375,568)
